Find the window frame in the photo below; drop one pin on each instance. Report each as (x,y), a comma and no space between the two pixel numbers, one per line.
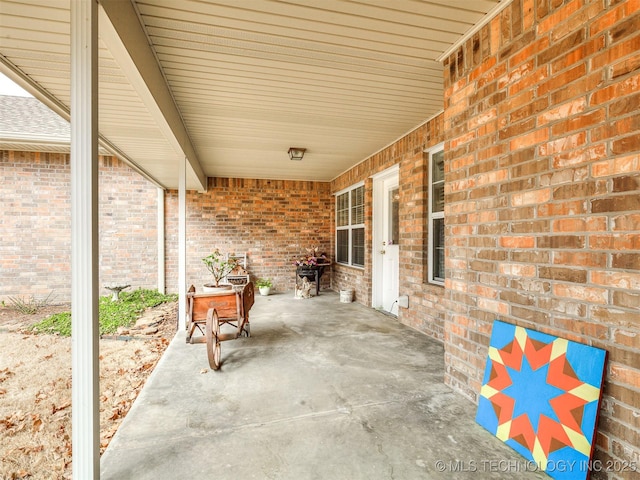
(433,216)
(350,227)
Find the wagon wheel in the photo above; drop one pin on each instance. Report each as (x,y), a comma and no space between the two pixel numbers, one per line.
(212,332)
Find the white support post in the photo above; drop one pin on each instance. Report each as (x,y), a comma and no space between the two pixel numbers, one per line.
(182,246)
(161,238)
(84,239)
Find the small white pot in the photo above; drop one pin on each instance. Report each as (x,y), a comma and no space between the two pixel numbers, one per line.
(264,290)
(211,288)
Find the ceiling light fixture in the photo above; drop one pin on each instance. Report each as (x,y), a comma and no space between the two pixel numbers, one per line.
(296,153)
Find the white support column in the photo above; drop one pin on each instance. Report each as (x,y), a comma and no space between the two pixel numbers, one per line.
(161,238)
(84,239)
(182,245)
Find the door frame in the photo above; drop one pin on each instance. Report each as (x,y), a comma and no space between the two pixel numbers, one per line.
(377,236)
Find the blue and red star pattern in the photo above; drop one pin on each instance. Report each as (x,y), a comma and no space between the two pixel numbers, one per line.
(541,395)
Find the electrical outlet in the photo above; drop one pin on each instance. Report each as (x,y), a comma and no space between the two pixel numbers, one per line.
(403,301)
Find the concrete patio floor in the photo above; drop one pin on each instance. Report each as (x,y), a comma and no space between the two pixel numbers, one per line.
(321,390)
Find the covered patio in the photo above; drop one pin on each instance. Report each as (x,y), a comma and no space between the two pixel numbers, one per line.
(465,161)
(189,93)
(321,390)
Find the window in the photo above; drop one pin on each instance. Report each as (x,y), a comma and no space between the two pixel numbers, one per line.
(436,215)
(350,226)
(394,215)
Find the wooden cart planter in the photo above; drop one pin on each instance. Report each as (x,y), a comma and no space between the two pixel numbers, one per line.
(206,312)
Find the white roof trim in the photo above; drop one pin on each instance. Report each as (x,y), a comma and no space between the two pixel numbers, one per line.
(120,29)
(58,107)
(487,18)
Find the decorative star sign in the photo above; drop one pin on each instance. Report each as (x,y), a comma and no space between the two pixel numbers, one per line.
(541,396)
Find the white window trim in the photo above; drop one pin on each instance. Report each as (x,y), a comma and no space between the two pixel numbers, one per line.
(432,216)
(349,226)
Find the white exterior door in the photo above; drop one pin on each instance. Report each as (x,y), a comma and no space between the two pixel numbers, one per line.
(386,269)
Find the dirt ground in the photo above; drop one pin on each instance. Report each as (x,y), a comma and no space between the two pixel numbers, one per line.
(35,388)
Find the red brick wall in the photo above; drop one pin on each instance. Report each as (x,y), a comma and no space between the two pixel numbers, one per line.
(543,194)
(426,312)
(35,245)
(128,227)
(273,221)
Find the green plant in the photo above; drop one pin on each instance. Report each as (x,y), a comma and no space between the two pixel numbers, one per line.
(111,314)
(30,305)
(59,323)
(264,282)
(219,266)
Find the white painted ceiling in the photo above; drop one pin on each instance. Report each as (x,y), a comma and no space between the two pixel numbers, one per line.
(248,78)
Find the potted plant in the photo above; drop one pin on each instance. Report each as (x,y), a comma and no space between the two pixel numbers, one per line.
(312,259)
(220,267)
(264,285)
(311,266)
